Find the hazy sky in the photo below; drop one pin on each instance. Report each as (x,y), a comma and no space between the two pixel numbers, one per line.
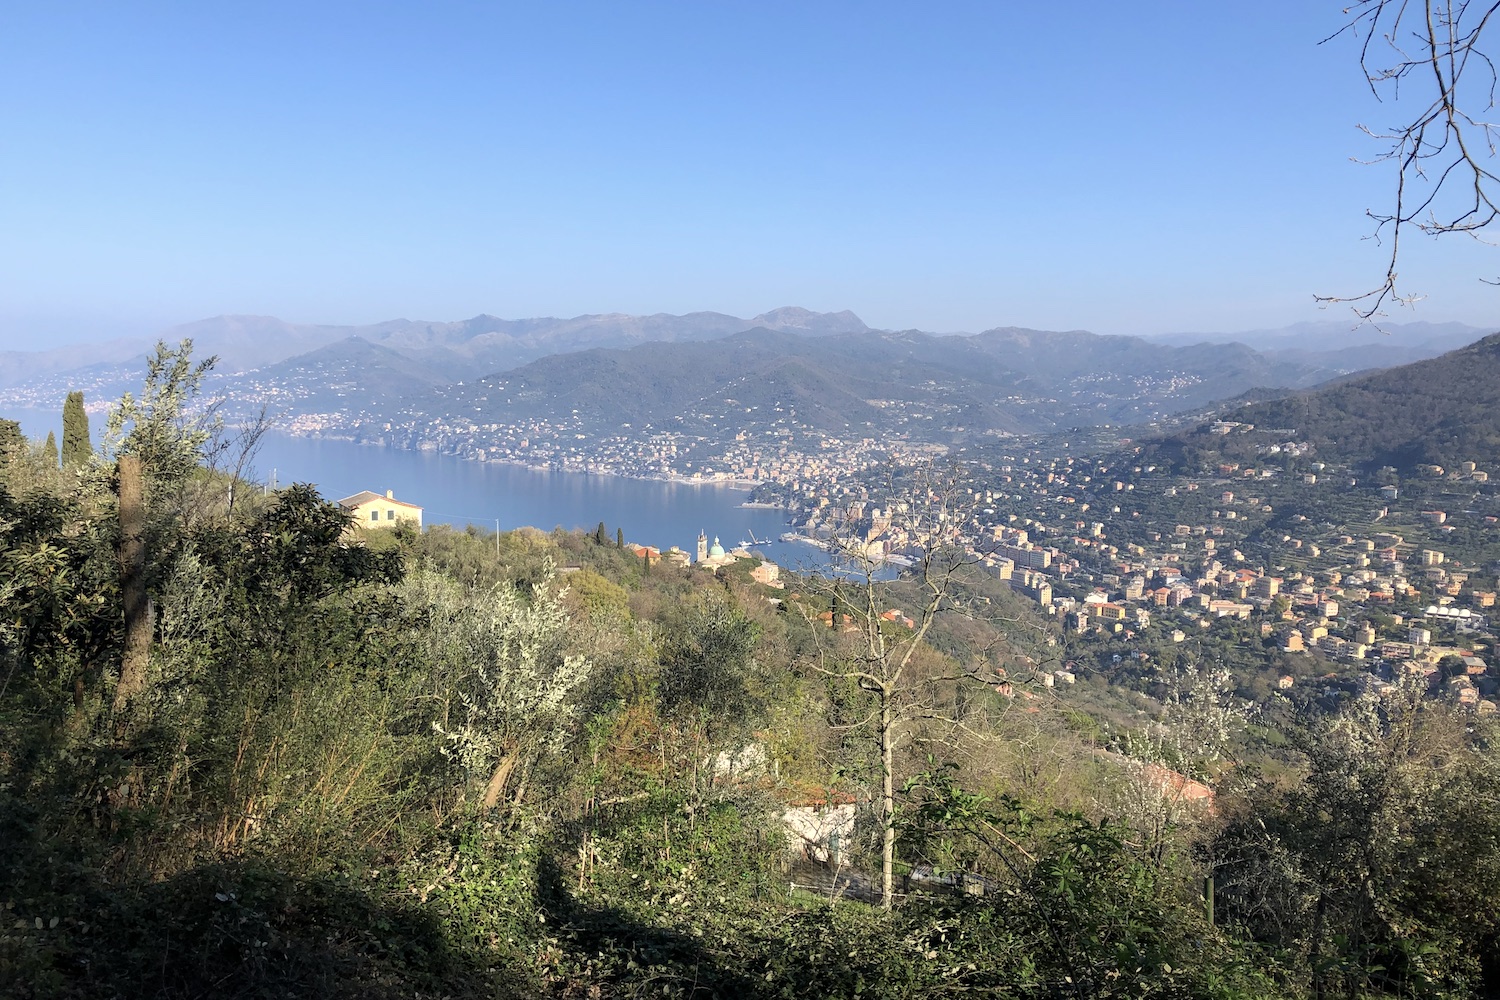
(1120,167)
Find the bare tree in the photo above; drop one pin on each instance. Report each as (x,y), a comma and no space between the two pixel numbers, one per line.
(231,451)
(1433,51)
(871,642)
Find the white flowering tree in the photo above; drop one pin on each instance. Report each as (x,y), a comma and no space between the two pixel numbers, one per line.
(1191,741)
(507,680)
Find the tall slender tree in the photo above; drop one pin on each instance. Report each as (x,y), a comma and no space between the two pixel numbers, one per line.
(49,449)
(76,446)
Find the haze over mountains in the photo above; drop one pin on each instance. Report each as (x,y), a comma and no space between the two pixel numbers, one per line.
(1011,381)
(708,369)
(1347,346)
(465,347)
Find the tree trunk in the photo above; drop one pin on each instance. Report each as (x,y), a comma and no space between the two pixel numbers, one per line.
(1315,953)
(887,802)
(132,556)
(496,787)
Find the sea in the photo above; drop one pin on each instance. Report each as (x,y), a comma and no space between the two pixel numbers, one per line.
(492,496)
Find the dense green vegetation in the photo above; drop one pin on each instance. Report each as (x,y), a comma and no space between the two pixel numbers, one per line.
(458,764)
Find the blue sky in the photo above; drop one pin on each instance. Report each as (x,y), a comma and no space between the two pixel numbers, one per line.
(1123,168)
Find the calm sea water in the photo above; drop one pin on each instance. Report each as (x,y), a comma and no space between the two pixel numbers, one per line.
(458,492)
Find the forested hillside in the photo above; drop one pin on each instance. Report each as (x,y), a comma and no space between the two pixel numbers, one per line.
(247,750)
(862,384)
(1441,411)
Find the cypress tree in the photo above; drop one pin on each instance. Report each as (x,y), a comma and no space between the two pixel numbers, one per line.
(619,538)
(600,538)
(76,446)
(49,449)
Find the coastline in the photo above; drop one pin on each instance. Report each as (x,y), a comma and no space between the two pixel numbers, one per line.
(696,479)
(463,490)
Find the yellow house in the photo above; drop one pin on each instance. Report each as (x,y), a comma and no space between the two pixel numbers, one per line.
(371,510)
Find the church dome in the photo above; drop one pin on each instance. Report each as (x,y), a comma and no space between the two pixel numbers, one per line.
(717,552)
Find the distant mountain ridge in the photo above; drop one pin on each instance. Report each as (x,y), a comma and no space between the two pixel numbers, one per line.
(1009,381)
(351,370)
(605,370)
(1345,346)
(1337,335)
(484,344)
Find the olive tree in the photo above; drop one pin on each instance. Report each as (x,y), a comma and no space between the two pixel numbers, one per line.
(503,673)
(1379,867)
(160,423)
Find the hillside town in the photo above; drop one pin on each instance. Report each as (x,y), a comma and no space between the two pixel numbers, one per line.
(1330,577)
(1369,579)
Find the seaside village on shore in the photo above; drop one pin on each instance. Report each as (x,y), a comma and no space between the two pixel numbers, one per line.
(713,557)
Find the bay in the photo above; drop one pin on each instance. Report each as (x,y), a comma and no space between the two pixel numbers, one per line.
(458,492)
(488,495)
